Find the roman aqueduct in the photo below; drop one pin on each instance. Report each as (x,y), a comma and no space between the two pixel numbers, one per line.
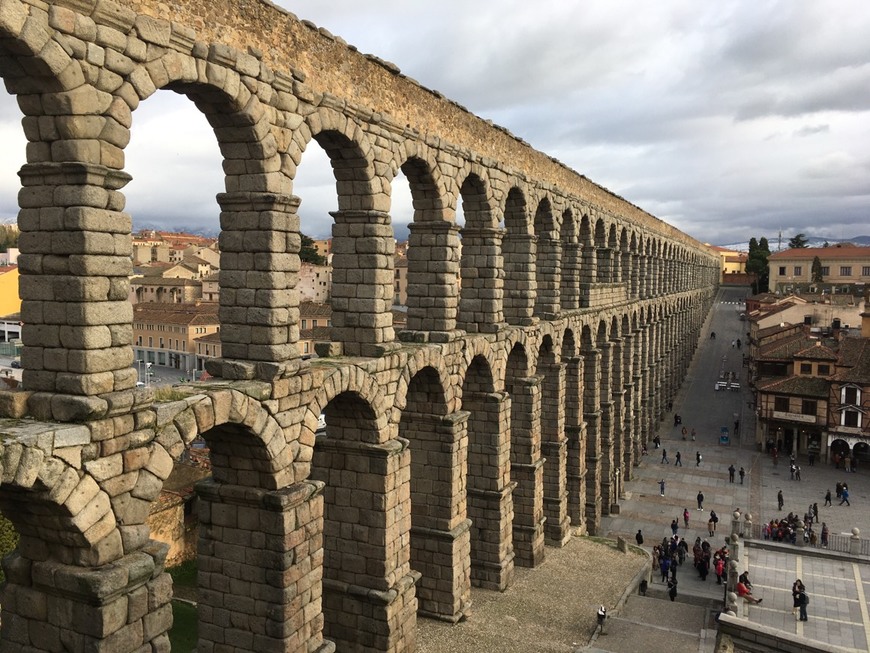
(501,422)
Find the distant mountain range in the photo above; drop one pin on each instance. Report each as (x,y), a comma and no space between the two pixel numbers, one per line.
(812,241)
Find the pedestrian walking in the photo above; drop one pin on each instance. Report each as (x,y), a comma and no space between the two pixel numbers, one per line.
(812,458)
(742,474)
(825,534)
(685,517)
(711,524)
(675,526)
(731,471)
(816,512)
(844,497)
(678,462)
(684,431)
(672,588)
(700,498)
(697,459)
(665,565)
(639,537)
(662,487)
(797,472)
(693,435)
(828,498)
(779,499)
(665,457)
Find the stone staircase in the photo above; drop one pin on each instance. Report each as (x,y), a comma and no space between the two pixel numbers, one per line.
(654,624)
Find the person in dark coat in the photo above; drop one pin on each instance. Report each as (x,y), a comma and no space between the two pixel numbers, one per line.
(639,538)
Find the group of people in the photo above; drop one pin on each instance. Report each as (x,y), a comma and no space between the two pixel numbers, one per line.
(786,529)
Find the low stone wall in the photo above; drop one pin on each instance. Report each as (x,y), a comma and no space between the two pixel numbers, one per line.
(737,634)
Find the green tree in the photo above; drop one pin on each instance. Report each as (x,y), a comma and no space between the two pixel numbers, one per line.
(309,254)
(756,263)
(798,242)
(826,244)
(817,270)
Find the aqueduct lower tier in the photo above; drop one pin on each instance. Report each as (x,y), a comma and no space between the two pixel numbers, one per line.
(544,336)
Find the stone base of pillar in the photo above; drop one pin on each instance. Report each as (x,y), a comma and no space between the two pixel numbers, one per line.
(411,335)
(593,516)
(529,544)
(556,533)
(614,509)
(442,558)
(492,553)
(367,619)
(124,606)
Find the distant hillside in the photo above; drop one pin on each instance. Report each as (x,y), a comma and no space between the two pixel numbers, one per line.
(812,241)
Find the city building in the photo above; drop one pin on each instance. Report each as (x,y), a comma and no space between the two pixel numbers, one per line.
(10,302)
(842,267)
(166,334)
(812,391)
(733,266)
(314,282)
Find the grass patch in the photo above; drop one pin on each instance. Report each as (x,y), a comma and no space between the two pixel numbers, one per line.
(168,393)
(184,631)
(184,575)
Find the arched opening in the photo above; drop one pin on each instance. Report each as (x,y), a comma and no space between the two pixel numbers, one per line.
(525,456)
(481,261)
(362,508)
(490,503)
(553,444)
(518,248)
(439,530)
(548,261)
(175,164)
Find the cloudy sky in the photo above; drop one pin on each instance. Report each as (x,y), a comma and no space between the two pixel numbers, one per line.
(727,119)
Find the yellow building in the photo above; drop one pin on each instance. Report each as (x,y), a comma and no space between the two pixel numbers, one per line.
(10,302)
(841,265)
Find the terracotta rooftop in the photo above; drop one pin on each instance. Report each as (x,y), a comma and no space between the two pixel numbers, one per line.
(185,314)
(834,251)
(803,386)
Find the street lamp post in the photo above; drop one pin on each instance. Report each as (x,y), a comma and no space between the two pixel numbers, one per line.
(139,370)
(148,373)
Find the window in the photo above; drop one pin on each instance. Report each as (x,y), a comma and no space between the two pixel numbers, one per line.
(849,396)
(824,369)
(826,270)
(808,407)
(851,418)
(797,270)
(780,404)
(806,368)
(782,270)
(865,271)
(845,270)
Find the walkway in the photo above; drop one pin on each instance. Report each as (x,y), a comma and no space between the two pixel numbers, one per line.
(838,587)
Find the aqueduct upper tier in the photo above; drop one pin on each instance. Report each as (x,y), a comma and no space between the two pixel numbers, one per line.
(544,337)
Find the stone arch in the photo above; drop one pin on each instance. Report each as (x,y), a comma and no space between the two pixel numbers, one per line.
(553,442)
(523,386)
(488,481)
(518,250)
(547,255)
(256,204)
(363,246)
(423,358)
(433,255)
(439,537)
(569,236)
(481,262)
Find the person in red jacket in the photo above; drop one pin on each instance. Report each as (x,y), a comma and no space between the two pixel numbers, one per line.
(745,594)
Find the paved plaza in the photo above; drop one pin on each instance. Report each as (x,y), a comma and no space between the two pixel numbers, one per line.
(838,584)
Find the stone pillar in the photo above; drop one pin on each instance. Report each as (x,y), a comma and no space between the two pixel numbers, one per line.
(528,471)
(606,426)
(548,278)
(575,432)
(482,292)
(519,285)
(369,599)
(75,265)
(603,265)
(588,273)
(121,607)
(363,248)
(592,417)
(260,568)
(570,290)
(259,308)
(440,528)
(433,288)
(554,447)
(490,491)
(855,542)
